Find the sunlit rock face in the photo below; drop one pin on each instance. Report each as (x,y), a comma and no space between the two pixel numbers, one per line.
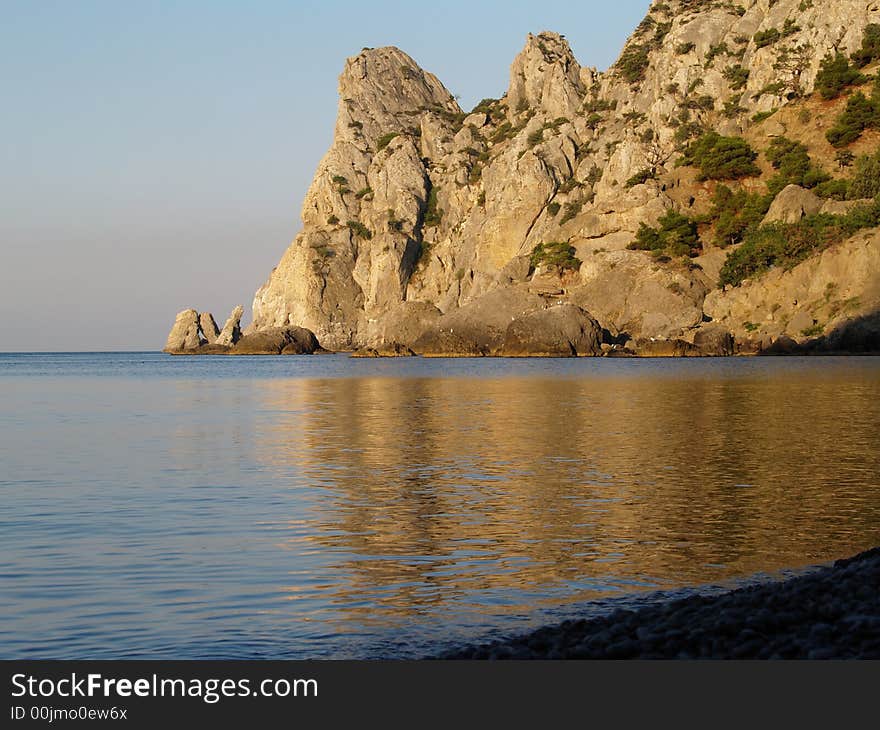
(419,211)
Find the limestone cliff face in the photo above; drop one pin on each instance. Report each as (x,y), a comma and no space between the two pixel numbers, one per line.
(419,212)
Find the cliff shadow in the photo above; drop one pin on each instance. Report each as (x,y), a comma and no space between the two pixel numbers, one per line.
(857,336)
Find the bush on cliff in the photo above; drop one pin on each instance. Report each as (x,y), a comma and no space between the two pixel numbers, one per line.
(721,158)
(559,255)
(866,181)
(787,244)
(794,164)
(835,75)
(870,49)
(675,235)
(861,113)
(737,213)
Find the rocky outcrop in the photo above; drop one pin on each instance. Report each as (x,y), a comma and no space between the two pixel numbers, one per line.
(431,229)
(631,294)
(197,334)
(184,333)
(792,204)
(231,332)
(714,340)
(811,300)
(564,330)
(208,327)
(278,341)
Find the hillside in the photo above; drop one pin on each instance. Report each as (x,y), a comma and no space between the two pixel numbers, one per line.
(712,192)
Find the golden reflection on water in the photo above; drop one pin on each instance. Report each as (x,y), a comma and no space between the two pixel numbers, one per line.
(516,491)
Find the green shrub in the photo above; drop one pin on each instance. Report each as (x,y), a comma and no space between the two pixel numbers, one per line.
(721,158)
(572,208)
(766,37)
(535,137)
(732,109)
(363,192)
(504,131)
(594,120)
(833,189)
(870,49)
(555,254)
(332,220)
(553,209)
(737,76)
(761,116)
(861,113)
(491,107)
(795,167)
(835,74)
(682,48)
(675,235)
(641,177)
(359,229)
(736,213)
(433,214)
(633,62)
(866,180)
(716,50)
(844,158)
(787,244)
(339,180)
(385,140)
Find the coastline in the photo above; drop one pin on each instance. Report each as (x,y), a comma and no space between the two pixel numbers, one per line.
(830,612)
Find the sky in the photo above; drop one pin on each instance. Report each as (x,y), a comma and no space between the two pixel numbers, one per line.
(154,155)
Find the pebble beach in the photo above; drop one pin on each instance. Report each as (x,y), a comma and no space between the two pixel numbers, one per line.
(832,612)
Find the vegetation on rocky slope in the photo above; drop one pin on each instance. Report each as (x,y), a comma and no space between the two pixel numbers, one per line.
(787,244)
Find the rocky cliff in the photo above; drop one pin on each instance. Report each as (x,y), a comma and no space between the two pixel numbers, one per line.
(641,198)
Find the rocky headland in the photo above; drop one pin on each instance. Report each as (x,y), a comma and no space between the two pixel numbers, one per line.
(713,193)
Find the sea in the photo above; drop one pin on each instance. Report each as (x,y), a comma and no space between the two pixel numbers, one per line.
(291,507)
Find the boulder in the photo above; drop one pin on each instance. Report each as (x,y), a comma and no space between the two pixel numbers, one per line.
(793,204)
(277,341)
(714,340)
(783,345)
(231,332)
(404,324)
(208,326)
(184,333)
(563,330)
(629,292)
(478,327)
(446,343)
(646,347)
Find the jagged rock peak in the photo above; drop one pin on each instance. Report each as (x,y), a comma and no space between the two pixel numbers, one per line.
(381,88)
(546,76)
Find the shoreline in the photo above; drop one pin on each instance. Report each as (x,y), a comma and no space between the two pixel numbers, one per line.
(830,612)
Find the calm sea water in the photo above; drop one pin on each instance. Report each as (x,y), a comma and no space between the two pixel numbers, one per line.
(321,506)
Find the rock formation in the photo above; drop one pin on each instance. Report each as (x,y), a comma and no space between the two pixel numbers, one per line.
(584,199)
(231,332)
(208,327)
(564,330)
(184,333)
(277,341)
(197,334)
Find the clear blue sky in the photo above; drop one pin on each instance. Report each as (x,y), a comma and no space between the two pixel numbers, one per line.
(154,155)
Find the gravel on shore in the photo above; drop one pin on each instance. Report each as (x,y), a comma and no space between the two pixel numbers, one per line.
(831,613)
